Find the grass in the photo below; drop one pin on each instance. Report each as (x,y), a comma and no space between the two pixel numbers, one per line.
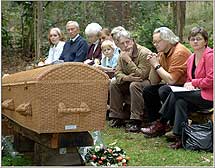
(142,151)
(153,151)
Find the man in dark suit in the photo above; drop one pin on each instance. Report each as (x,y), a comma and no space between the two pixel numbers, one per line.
(75,49)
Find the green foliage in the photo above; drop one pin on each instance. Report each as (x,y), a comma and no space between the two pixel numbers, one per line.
(210,41)
(6,37)
(200,14)
(188,46)
(146,21)
(15,161)
(5,33)
(142,18)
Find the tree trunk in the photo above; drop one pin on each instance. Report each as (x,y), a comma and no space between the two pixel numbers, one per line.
(113,13)
(126,11)
(179,11)
(38,25)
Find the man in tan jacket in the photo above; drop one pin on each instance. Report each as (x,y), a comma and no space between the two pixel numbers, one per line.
(131,77)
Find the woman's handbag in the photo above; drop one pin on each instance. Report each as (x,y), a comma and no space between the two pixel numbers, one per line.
(197,136)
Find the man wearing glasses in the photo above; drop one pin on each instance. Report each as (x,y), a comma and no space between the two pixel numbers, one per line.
(168,68)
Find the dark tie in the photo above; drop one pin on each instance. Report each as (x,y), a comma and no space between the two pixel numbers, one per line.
(90,53)
(71,41)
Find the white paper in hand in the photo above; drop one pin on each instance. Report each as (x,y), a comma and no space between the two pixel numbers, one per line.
(181,89)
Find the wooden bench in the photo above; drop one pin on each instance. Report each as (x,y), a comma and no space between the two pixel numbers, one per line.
(202,116)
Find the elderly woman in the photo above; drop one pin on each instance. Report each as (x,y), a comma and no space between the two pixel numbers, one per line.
(200,83)
(56,41)
(94,51)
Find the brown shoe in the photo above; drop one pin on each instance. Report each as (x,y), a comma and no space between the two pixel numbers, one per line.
(171,137)
(156,129)
(176,145)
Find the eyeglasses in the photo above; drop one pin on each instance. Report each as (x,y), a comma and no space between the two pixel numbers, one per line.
(196,39)
(156,42)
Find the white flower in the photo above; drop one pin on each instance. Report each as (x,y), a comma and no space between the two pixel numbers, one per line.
(123,160)
(97,148)
(115,154)
(117,149)
(94,164)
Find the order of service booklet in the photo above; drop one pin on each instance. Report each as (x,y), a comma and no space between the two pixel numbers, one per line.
(181,89)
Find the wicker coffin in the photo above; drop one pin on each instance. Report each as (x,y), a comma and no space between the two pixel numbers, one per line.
(68,97)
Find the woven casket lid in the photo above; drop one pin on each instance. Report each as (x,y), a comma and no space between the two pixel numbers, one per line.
(57,72)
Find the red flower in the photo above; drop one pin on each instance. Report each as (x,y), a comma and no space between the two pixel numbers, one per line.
(103,158)
(94,157)
(119,158)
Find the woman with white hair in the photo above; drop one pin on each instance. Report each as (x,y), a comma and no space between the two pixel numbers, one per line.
(94,51)
(168,68)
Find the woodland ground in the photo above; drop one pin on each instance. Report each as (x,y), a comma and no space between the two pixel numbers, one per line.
(142,151)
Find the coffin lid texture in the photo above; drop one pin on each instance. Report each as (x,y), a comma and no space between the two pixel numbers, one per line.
(58,72)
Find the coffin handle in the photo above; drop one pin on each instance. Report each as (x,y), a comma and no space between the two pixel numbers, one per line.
(24,109)
(8,104)
(84,108)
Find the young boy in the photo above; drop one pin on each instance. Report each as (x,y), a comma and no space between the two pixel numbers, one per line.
(109,57)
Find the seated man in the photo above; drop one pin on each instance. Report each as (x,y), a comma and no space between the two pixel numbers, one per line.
(75,49)
(131,77)
(168,68)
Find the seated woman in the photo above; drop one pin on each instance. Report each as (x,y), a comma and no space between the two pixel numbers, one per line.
(56,41)
(109,58)
(200,83)
(94,51)
(105,34)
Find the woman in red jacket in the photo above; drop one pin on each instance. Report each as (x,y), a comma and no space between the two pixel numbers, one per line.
(199,83)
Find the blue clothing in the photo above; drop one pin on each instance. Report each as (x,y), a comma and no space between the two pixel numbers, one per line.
(75,51)
(112,62)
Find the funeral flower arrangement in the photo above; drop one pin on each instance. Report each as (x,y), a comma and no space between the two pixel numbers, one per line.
(106,156)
